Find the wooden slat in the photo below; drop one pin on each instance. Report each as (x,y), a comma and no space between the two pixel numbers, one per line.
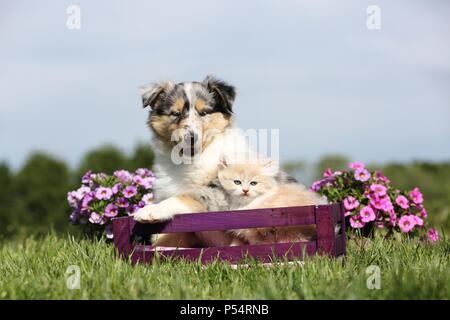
(263,253)
(212,221)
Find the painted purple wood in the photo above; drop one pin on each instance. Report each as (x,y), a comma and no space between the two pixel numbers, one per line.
(325,225)
(343,230)
(263,253)
(122,236)
(324,217)
(209,221)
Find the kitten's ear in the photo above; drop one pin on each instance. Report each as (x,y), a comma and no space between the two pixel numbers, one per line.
(154,93)
(222,163)
(269,167)
(223,93)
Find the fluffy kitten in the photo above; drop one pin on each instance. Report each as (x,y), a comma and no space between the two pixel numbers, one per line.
(253,186)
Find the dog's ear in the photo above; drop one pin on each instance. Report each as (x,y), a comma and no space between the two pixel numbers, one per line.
(223,93)
(154,93)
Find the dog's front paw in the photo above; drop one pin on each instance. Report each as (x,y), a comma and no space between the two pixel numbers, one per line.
(152,213)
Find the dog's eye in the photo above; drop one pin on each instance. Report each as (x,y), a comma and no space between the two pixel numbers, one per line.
(175,114)
(237,182)
(203,113)
(253,183)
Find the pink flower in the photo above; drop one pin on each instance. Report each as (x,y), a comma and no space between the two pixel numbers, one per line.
(95,218)
(378,189)
(357,165)
(328,173)
(392,218)
(416,196)
(424,213)
(380,203)
(433,235)
(103,193)
(362,175)
(402,202)
(348,213)
(380,177)
(367,214)
(418,221)
(355,222)
(406,223)
(148,198)
(351,203)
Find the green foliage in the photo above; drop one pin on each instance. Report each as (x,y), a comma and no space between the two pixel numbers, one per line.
(105,159)
(142,157)
(35,268)
(5,197)
(333,161)
(39,194)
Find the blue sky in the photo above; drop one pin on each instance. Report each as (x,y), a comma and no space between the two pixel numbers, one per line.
(309,68)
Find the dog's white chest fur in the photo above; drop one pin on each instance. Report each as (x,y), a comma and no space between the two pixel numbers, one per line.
(173,179)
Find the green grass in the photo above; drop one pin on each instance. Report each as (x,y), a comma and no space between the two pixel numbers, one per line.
(34,269)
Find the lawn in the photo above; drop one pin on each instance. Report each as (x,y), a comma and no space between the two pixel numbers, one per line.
(35,268)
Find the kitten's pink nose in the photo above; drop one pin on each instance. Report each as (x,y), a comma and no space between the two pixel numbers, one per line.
(245,191)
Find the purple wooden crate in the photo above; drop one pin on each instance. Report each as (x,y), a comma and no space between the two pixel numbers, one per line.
(325,217)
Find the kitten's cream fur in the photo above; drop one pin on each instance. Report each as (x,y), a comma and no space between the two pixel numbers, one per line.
(253,186)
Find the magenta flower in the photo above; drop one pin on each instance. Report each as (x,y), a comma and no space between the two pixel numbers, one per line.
(116,188)
(392,218)
(380,203)
(103,193)
(147,183)
(144,172)
(355,222)
(328,173)
(81,192)
(381,178)
(138,180)
(423,213)
(357,165)
(362,175)
(367,214)
(87,200)
(378,189)
(95,218)
(111,211)
(418,221)
(86,177)
(132,209)
(406,223)
(433,235)
(316,186)
(122,203)
(416,196)
(123,175)
(402,202)
(351,203)
(129,192)
(72,199)
(148,198)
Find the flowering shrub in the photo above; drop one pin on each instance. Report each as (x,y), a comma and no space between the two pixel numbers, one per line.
(370,201)
(102,197)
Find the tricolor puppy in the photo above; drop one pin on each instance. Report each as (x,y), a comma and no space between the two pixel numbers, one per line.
(190,122)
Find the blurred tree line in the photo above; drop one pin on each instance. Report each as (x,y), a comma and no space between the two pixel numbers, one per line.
(33,199)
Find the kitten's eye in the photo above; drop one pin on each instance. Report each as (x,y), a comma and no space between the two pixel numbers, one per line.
(175,114)
(253,183)
(203,113)
(237,182)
